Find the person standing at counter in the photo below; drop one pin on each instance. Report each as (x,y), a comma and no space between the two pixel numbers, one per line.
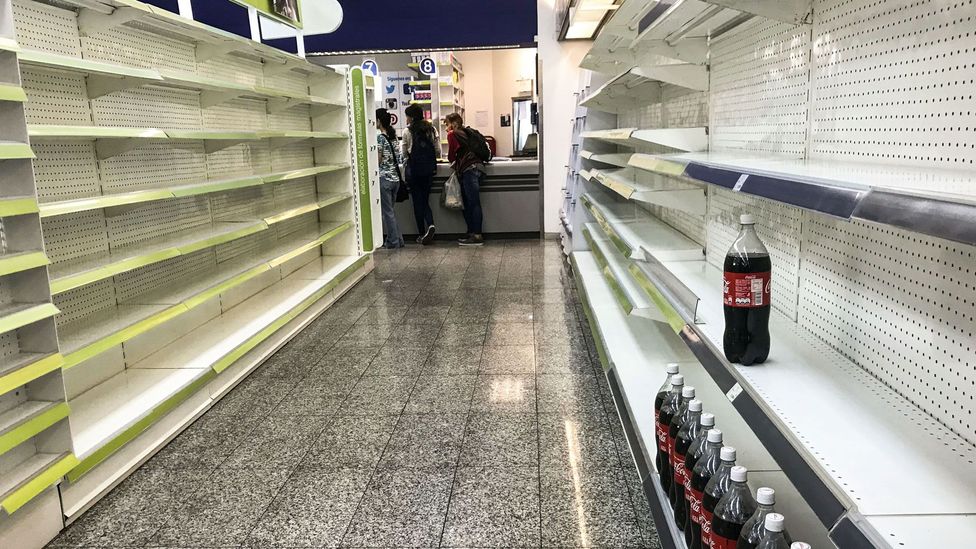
(390,179)
(420,162)
(470,171)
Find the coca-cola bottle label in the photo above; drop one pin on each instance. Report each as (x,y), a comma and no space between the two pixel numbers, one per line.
(747,290)
(687,483)
(696,505)
(662,437)
(678,464)
(719,542)
(706,526)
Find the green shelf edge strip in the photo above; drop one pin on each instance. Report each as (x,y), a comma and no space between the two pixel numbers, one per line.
(64,284)
(590,318)
(611,234)
(21,496)
(674,319)
(15,151)
(32,371)
(17,206)
(304,172)
(10,92)
(126,334)
(84,204)
(361,159)
(617,291)
(30,428)
(27,316)
(23,262)
(131,433)
(100,346)
(135,430)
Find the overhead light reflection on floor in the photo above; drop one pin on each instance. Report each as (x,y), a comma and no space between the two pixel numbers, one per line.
(507,390)
(572,442)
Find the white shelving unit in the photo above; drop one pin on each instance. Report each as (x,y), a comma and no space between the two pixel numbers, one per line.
(201,199)
(868,222)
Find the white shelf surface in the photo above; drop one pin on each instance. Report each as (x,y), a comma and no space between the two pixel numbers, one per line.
(682,139)
(25,471)
(625,289)
(642,83)
(620,160)
(104,412)
(651,189)
(23,412)
(638,231)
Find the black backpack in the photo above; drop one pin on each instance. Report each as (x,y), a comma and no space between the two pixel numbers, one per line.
(422,161)
(477,144)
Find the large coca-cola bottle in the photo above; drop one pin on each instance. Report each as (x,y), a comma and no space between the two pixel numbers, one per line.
(668,408)
(682,441)
(746,296)
(755,527)
(698,446)
(662,394)
(679,418)
(707,464)
(714,490)
(774,537)
(732,511)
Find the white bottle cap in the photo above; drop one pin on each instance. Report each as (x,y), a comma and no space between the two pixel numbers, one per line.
(695,405)
(774,522)
(707,419)
(747,219)
(728,453)
(677,379)
(739,474)
(714,435)
(800,545)
(766,496)
(671,368)
(688,392)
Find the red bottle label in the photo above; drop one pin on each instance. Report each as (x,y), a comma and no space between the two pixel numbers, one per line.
(718,542)
(678,464)
(687,480)
(706,527)
(670,448)
(747,290)
(662,437)
(696,505)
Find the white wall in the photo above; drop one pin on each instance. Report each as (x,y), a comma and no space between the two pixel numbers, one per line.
(478,87)
(560,78)
(508,68)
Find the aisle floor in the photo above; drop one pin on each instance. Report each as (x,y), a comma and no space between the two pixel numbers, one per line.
(451,399)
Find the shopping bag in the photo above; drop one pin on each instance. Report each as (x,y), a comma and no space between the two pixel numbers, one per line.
(451,197)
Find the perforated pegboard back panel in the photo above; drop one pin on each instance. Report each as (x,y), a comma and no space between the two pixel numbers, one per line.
(234,69)
(243,159)
(63,171)
(296,118)
(166,274)
(129,46)
(251,245)
(894,81)
(157,219)
(292,157)
(76,304)
(301,191)
(56,98)
(759,87)
(301,224)
(239,114)
(290,81)
(900,305)
(139,169)
(779,227)
(243,204)
(46,28)
(149,107)
(75,235)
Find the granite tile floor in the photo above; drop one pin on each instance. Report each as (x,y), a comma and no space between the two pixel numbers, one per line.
(453,398)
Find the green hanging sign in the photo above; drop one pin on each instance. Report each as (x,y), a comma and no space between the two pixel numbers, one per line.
(362,156)
(288,12)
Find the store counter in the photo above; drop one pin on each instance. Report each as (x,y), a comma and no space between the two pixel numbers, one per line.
(510,198)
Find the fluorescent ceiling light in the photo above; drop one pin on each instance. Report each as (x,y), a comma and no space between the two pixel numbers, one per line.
(585,17)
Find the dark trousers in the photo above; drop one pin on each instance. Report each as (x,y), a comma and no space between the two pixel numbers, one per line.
(471,197)
(420,196)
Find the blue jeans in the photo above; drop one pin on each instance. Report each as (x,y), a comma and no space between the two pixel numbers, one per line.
(471,197)
(420,196)
(388,192)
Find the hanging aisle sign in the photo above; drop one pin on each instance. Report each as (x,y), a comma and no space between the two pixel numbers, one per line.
(288,12)
(370,67)
(428,67)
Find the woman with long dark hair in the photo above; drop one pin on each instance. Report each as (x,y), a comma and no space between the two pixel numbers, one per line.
(390,180)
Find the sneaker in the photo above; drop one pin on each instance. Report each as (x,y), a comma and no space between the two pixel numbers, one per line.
(420,240)
(472,241)
(428,236)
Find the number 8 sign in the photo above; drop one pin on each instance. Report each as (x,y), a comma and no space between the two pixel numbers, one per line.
(428,67)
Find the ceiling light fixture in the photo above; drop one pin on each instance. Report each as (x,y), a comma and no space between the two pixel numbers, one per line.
(584,17)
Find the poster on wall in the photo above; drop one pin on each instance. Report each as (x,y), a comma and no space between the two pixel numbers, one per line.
(288,12)
(396,96)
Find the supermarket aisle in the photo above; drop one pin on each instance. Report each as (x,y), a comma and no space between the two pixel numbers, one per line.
(451,399)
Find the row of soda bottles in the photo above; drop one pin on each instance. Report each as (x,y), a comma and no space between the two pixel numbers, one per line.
(708,492)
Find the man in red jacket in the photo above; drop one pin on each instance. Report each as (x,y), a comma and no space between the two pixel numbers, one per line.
(470,171)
